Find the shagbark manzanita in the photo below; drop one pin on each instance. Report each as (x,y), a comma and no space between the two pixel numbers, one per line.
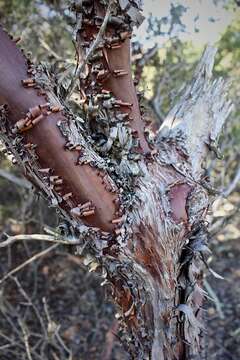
(136,202)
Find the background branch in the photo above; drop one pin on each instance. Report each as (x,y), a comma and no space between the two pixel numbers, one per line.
(29,261)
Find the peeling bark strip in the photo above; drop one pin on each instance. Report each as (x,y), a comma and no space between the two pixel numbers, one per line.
(149,199)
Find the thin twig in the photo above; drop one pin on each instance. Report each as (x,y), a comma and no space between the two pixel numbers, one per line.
(25,337)
(46,310)
(14,179)
(6,346)
(50,50)
(25,295)
(233,184)
(12,239)
(29,261)
(54,328)
(61,342)
(215,299)
(91,50)
(223,221)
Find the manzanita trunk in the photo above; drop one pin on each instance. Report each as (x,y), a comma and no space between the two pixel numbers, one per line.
(137,203)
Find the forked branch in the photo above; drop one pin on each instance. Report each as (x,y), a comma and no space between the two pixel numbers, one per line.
(154,261)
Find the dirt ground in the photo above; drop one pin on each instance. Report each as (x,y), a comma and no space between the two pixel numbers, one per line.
(53,309)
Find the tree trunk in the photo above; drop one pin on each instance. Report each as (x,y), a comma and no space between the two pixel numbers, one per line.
(137,206)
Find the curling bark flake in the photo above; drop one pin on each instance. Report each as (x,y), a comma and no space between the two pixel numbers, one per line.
(137,204)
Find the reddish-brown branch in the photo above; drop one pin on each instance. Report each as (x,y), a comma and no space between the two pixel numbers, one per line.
(82,181)
(123,89)
(114,73)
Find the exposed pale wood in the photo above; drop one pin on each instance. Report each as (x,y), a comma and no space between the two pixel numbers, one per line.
(198,117)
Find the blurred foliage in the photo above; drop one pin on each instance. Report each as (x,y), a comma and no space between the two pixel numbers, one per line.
(43,26)
(228,65)
(167,25)
(167,73)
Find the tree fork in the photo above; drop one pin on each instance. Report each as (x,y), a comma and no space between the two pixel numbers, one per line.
(152,255)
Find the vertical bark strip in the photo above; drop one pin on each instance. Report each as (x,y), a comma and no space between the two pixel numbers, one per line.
(106,82)
(150,205)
